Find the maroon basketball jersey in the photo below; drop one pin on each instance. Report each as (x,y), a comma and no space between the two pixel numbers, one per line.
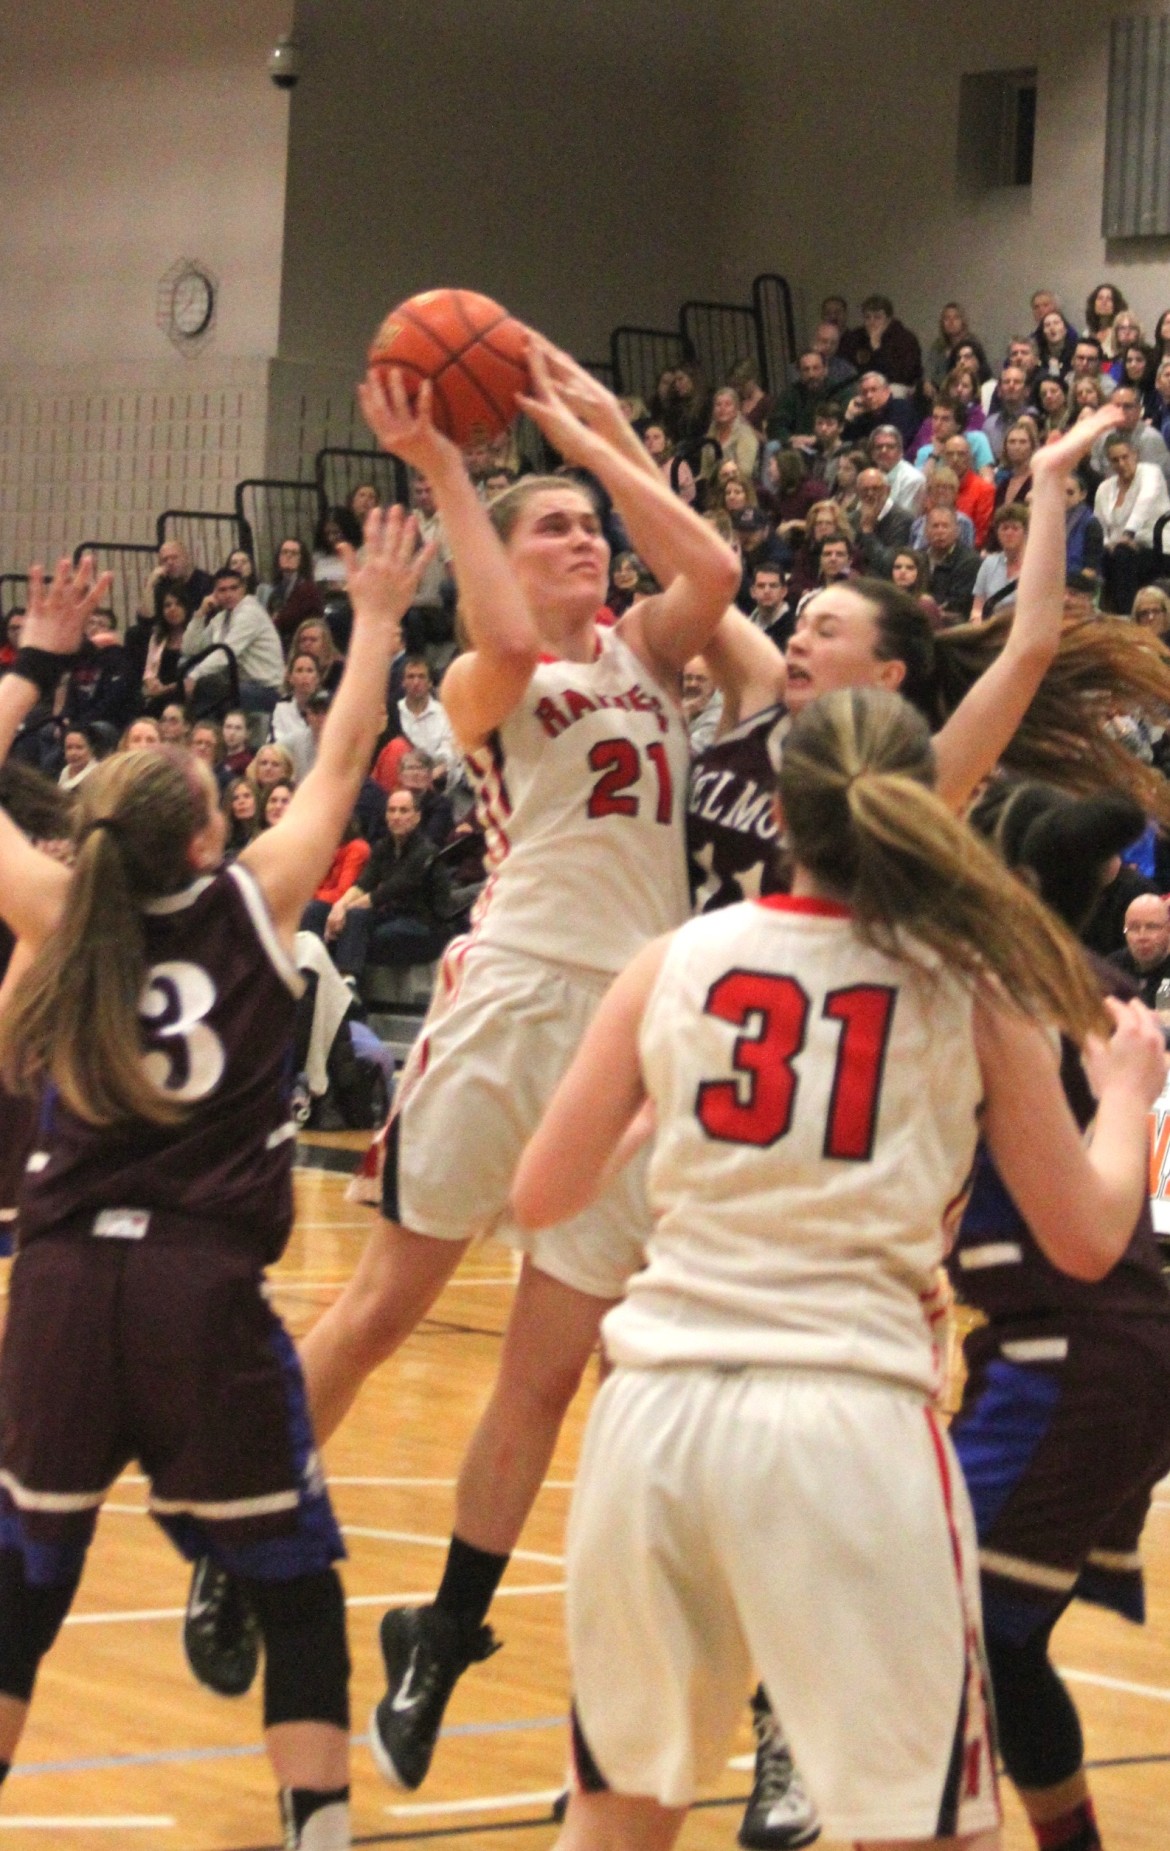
(731,828)
(217,1019)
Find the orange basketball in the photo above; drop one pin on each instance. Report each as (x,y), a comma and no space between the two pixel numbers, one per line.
(470,349)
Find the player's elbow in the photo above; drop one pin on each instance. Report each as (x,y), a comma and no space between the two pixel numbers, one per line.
(726,575)
(1089,1250)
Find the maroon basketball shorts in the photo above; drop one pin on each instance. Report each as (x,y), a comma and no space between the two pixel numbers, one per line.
(119,1350)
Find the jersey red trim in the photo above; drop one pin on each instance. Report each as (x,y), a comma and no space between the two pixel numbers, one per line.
(804,903)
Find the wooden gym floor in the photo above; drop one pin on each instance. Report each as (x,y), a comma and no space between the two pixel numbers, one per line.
(124,1748)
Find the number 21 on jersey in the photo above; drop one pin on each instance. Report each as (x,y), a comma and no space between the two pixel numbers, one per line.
(620,765)
(757,1106)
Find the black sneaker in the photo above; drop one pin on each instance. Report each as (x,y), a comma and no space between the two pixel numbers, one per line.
(221,1634)
(780,1815)
(425,1656)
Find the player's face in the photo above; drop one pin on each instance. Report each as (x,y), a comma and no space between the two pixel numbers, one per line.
(560,557)
(835,645)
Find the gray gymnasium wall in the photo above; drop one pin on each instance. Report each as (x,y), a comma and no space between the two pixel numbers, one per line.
(846,138)
(588,164)
(132,134)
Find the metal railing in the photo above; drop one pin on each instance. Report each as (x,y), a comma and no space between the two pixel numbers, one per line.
(209,538)
(639,357)
(721,335)
(339,472)
(772,301)
(131,563)
(13,593)
(601,369)
(270,510)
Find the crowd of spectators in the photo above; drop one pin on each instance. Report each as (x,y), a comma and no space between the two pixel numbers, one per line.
(877,458)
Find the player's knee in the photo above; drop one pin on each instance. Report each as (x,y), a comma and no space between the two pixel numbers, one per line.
(306,1659)
(1039,1730)
(30,1619)
(539,1388)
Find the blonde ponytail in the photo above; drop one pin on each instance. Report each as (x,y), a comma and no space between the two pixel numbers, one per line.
(863,821)
(73,1021)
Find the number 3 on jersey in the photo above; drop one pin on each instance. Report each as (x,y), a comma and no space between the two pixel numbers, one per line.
(620,765)
(757,1106)
(190,1062)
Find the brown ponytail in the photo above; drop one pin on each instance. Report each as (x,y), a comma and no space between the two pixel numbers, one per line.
(73,1020)
(864,822)
(1103,666)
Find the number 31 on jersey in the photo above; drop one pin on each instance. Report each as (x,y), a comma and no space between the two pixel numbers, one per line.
(758,1106)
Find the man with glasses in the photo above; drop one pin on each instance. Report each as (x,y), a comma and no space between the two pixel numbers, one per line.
(906,484)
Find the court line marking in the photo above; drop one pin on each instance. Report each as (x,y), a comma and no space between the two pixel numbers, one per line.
(492,1802)
(352,1600)
(328,1227)
(375,1535)
(550,1484)
(444,1542)
(91,1764)
(84,1822)
(1157,1693)
(406,1484)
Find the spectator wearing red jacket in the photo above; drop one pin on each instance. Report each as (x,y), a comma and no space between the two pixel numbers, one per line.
(976,497)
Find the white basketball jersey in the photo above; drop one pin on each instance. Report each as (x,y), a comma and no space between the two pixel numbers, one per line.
(816,1107)
(581,794)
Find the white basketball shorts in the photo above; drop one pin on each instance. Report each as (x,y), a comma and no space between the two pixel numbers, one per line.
(808,1526)
(500,1033)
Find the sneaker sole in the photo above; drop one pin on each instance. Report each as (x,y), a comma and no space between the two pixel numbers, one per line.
(383,1761)
(807,1837)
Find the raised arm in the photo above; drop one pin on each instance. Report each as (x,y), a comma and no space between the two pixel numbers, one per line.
(483,685)
(972,740)
(700,574)
(32,885)
(290,860)
(747,668)
(571,1153)
(1081,1203)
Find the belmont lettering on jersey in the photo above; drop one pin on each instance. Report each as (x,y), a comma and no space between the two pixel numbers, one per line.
(735,803)
(557,713)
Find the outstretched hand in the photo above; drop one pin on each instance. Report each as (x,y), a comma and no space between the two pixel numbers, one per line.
(408,430)
(56,613)
(584,394)
(569,414)
(383,583)
(1062,454)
